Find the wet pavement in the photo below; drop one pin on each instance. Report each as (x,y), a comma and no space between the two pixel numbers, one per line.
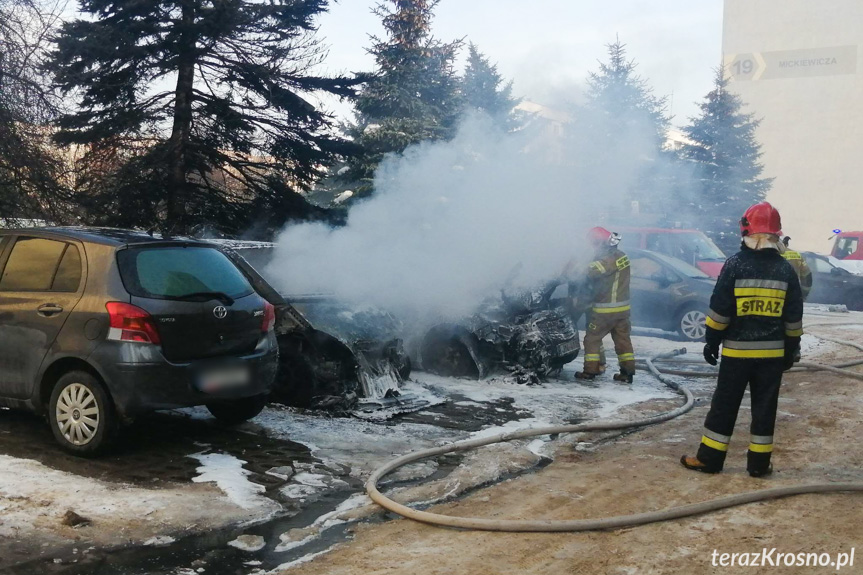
(154,451)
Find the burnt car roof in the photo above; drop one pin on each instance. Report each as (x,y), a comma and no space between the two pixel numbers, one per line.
(107,236)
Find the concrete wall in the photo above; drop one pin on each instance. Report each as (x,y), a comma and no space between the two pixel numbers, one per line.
(798,65)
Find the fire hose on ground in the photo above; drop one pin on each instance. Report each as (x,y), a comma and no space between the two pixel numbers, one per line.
(574,525)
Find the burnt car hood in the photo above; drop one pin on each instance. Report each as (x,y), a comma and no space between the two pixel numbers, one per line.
(350,323)
(524,333)
(371,334)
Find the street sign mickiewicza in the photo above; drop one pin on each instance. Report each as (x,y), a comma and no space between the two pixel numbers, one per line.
(803,63)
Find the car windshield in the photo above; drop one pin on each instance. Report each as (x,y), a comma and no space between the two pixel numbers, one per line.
(821,265)
(698,246)
(181,271)
(681,267)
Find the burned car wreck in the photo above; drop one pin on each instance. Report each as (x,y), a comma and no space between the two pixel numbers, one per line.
(331,355)
(527,333)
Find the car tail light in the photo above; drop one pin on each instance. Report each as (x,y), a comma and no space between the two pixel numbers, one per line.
(269,320)
(131,323)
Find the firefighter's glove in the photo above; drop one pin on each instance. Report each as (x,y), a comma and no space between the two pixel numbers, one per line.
(711,353)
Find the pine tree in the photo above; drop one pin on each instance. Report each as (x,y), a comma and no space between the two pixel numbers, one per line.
(623,100)
(483,89)
(206,100)
(624,117)
(412,95)
(726,155)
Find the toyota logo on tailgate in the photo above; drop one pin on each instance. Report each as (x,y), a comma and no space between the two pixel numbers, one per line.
(220,311)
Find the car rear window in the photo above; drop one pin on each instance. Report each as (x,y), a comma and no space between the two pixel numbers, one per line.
(37,264)
(175,272)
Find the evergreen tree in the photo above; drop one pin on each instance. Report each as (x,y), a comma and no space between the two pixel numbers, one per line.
(624,117)
(412,95)
(623,101)
(726,155)
(206,101)
(483,89)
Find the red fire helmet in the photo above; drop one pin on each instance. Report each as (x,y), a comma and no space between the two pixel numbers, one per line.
(598,236)
(762,218)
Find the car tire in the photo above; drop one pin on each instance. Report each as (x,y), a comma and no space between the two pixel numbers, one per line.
(690,323)
(82,414)
(237,411)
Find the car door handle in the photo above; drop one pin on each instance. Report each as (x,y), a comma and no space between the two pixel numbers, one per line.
(49,309)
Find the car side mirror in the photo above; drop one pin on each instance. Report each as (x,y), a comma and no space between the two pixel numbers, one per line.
(836,271)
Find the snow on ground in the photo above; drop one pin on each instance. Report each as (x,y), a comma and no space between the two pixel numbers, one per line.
(35,497)
(158,541)
(227,472)
(363,445)
(310,482)
(250,543)
(360,445)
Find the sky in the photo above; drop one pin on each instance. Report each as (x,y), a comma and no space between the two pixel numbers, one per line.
(547,47)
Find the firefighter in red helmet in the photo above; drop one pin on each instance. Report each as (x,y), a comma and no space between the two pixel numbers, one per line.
(756,314)
(609,278)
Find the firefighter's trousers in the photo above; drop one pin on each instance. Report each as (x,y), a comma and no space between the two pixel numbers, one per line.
(619,326)
(575,315)
(764,377)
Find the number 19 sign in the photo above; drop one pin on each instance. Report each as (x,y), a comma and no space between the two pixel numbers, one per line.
(806,63)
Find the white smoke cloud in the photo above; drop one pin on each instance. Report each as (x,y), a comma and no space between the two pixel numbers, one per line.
(449,221)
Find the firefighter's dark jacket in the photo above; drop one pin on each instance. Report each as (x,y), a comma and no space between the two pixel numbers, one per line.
(757,307)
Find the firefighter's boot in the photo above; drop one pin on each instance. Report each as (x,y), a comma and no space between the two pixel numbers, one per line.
(585,375)
(695,464)
(623,376)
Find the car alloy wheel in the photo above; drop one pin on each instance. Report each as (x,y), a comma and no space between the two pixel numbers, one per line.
(77,414)
(692,324)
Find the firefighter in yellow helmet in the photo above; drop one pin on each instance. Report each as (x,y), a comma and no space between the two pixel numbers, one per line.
(801,268)
(609,277)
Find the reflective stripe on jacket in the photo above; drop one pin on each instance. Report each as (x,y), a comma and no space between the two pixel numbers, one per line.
(756,307)
(610,274)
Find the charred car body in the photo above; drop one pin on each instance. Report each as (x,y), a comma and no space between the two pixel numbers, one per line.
(528,333)
(330,354)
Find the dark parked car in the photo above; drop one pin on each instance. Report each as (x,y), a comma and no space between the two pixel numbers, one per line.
(669,294)
(99,325)
(832,284)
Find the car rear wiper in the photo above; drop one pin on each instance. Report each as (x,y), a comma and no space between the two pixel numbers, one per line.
(217,295)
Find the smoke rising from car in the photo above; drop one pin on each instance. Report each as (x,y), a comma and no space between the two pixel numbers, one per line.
(453,222)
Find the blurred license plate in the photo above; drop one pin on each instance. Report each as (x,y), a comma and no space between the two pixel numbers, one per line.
(223,378)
